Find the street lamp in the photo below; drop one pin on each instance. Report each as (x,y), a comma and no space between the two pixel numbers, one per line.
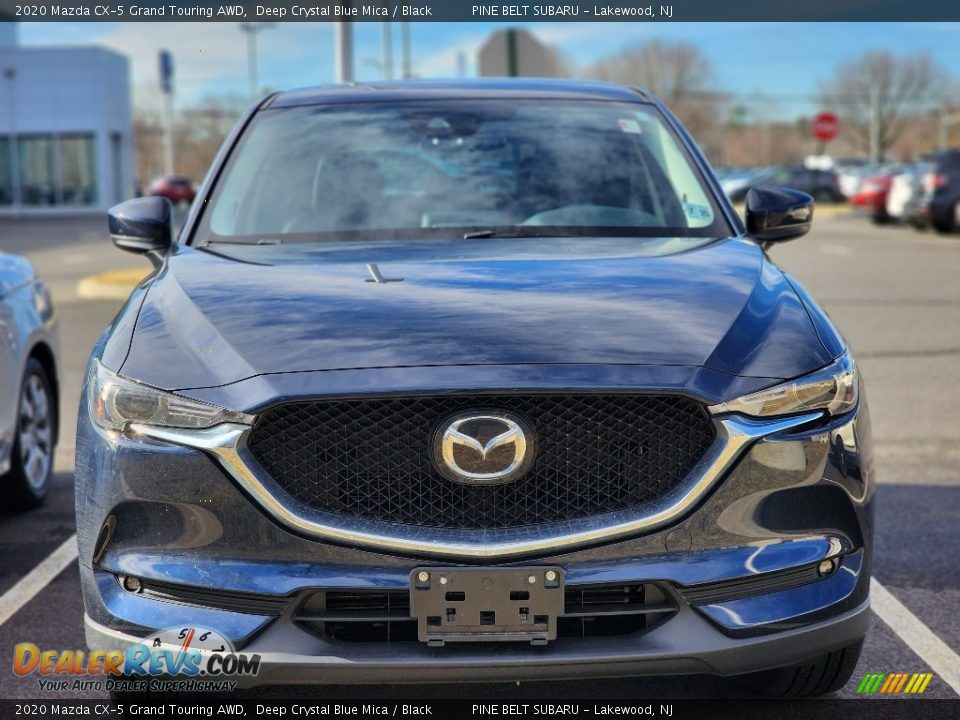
(251,29)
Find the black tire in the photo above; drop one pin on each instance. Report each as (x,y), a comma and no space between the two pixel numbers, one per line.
(945,225)
(823,196)
(27,484)
(818,677)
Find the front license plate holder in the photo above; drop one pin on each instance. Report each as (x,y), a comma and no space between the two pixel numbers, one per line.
(465,604)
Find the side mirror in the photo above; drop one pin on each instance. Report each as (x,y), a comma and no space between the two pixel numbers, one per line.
(775,214)
(142,225)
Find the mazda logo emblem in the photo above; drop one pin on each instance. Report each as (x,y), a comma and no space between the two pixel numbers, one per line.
(483,448)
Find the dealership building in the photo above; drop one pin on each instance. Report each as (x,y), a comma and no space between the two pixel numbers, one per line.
(66,140)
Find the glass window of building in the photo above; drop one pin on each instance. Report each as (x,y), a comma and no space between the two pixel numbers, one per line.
(77,170)
(6,173)
(37,176)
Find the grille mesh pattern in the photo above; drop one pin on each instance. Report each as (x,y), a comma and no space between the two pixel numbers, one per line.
(370,458)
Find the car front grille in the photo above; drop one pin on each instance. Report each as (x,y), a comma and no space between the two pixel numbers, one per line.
(371,458)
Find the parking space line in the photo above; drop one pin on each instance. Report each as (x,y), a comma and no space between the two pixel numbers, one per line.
(37,579)
(918,637)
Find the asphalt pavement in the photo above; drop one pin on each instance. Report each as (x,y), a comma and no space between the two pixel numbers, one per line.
(893,292)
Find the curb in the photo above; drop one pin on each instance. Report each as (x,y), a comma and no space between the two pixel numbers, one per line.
(110,285)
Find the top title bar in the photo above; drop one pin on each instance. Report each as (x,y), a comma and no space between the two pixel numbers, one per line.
(472,11)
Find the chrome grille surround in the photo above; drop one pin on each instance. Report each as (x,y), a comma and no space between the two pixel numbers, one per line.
(227,444)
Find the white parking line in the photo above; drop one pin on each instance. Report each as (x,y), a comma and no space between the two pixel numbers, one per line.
(918,637)
(37,579)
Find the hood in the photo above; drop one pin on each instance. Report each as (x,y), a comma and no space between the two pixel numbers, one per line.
(209,320)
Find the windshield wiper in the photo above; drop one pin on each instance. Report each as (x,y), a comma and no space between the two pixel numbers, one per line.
(489,233)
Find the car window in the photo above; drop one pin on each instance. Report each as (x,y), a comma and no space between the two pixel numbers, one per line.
(445,168)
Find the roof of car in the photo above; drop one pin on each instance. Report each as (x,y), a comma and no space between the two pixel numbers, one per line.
(538,88)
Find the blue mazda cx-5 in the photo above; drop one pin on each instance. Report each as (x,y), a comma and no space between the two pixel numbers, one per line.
(475,381)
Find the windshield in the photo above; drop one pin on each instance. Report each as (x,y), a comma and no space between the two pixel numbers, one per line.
(455,169)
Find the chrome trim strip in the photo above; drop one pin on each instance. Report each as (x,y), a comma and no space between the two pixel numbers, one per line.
(227,443)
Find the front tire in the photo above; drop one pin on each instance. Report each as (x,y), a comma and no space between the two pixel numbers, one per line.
(948,224)
(31,462)
(824,675)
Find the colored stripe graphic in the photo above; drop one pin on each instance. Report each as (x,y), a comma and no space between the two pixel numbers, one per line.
(894,683)
(888,683)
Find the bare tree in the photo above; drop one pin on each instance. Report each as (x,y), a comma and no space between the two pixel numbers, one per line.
(672,71)
(197,134)
(679,73)
(201,129)
(876,94)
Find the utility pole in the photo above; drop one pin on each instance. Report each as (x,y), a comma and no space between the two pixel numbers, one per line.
(387,41)
(874,124)
(250,29)
(343,50)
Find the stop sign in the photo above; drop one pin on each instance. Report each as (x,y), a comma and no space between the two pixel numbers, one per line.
(825,126)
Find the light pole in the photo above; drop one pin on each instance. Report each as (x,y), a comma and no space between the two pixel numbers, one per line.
(385,29)
(251,29)
(343,50)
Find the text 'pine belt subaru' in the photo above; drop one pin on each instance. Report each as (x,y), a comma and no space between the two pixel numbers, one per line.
(474,381)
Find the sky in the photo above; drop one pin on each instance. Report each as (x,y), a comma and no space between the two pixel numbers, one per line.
(784,61)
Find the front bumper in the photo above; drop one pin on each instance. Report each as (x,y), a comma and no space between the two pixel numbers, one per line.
(789,501)
(687,644)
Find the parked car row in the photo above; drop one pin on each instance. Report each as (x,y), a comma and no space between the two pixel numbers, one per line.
(822,185)
(922,194)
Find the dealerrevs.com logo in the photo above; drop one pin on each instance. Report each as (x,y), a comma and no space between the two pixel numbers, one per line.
(186,659)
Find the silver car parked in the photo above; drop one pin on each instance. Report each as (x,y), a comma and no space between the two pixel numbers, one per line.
(28,385)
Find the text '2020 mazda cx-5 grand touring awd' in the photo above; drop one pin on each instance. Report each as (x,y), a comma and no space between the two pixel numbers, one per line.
(475,381)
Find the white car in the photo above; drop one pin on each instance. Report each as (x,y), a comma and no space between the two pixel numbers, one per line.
(905,190)
(901,189)
(29,401)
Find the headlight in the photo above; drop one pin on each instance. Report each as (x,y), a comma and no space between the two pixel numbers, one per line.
(833,389)
(116,402)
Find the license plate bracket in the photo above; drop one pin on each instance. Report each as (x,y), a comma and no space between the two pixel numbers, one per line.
(465,604)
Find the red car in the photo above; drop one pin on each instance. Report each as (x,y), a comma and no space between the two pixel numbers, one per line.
(872,197)
(176,188)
